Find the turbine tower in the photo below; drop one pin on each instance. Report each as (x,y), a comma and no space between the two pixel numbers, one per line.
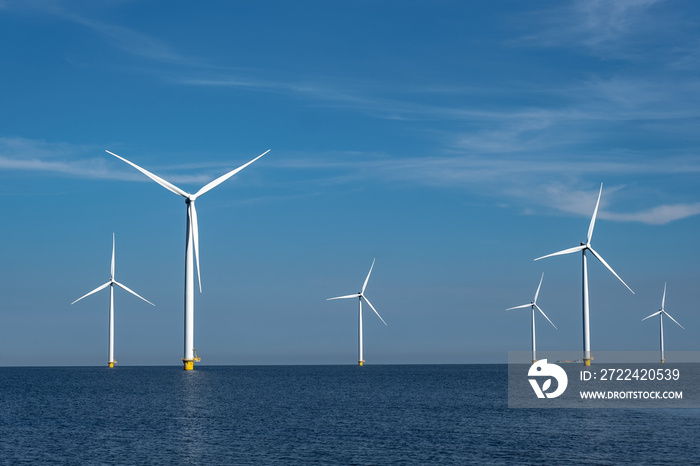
(583,248)
(534,305)
(110,284)
(361,296)
(661,313)
(191,248)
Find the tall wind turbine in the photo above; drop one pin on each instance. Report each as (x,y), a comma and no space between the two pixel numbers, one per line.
(111,284)
(534,305)
(191,248)
(661,313)
(583,248)
(361,296)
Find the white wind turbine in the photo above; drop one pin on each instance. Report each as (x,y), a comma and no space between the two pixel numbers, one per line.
(534,305)
(661,313)
(191,247)
(111,284)
(583,248)
(361,296)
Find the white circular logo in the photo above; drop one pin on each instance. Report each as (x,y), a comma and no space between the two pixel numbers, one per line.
(542,369)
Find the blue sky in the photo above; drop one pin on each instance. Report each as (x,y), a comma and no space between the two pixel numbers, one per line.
(452,141)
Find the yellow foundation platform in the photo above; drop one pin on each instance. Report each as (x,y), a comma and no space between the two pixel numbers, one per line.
(361,363)
(110,364)
(189,363)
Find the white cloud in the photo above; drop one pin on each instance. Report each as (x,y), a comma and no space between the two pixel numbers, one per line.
(542,184)
(658,215)
(84,161)
(608,27)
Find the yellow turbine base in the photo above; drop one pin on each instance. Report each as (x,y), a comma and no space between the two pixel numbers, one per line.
(662,361)
(361,363)
(110,364)
(189,365)
(534,361)
(586,362)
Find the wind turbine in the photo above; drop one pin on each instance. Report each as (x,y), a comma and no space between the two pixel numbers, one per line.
(361,296)
(534,305)
(583,248)
(191,247)
(111,284)
(661,313)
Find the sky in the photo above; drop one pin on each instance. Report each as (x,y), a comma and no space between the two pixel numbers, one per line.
(452,141)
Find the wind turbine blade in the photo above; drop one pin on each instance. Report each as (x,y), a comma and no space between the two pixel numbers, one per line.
(124,287)
(545,316)
(608,267)
(357,295)
(519,307)
(99,288)
(166,184)
(194,229)
(595,214)
(663,300)
(367,279)
(565,251)
(112,256)
(654,314)
(375,311)
(537,293)
(225,177)
(669,316)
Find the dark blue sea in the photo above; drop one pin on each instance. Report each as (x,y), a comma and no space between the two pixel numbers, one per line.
(403,414)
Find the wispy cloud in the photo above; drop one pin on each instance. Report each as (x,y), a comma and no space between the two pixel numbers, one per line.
(87,161)
(532,184)
(659,215)
(543,184)
(603,26)
(123,38)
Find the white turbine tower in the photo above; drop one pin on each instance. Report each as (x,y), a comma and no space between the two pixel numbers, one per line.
(583,248)
(111,284)
(534,305)
(191,247)
(661,312)
(361,296)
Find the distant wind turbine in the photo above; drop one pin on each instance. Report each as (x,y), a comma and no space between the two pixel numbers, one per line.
(661,312)
(583,248)
(191,247)
(111,284)
(534,305)
(361,296)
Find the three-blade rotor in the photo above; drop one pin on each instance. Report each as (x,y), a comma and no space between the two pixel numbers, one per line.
(662,311)
(192,224)
(112,281)
(533,305)
(587,245)
(361,294)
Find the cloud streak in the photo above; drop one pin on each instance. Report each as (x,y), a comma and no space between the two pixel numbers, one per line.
(76,161)
(604,27)
(532,183)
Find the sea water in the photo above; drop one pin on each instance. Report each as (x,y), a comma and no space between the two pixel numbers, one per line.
(402,414)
